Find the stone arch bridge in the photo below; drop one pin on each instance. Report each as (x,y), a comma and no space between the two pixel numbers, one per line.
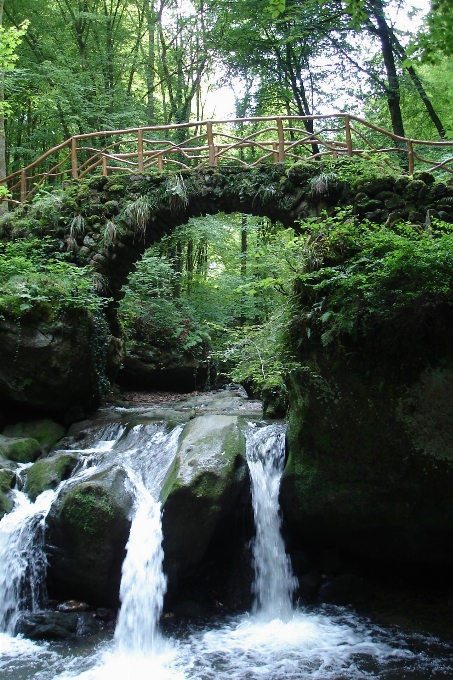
(108,222)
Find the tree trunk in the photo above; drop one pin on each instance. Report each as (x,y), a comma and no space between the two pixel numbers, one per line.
(150,65)
(420,89)
(189,266)
(393,92)
(243,245)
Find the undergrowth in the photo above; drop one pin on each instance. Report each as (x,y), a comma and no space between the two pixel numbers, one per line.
(37,282)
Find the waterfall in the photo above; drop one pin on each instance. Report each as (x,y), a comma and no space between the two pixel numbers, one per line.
(22,558)
(274,582)
(143,583)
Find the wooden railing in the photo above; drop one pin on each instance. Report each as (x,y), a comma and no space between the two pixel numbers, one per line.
(244,141)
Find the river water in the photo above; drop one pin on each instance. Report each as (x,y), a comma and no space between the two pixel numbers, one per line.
(277,640)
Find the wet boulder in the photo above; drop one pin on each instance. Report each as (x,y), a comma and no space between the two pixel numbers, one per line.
(7,480)
(47,625)
(206,478)
(45,431)
(87,530)
(55,366)
(19,449)
(47,473)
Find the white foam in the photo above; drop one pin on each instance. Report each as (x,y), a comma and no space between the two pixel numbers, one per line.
(311,646)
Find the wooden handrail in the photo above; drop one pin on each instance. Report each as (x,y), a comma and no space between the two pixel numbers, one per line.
(278,140)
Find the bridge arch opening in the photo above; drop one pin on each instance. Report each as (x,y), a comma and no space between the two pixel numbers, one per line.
(201,286)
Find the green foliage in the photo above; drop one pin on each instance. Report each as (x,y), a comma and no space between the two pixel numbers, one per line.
(151,315)
(10,39)
(36,281)
(439,37)
(372,280)
(259,356)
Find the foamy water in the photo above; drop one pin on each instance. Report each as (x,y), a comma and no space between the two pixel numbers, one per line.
(275,642)
(274,582)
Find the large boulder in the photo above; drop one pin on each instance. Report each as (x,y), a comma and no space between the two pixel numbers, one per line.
(207,475)
(54,367)
(87,530)
(18,449)
(47,625)
(47,473)
(45,431)
(370,463)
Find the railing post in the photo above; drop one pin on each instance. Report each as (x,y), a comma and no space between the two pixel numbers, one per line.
(211,146)
(275,151)
(23,185)
(281,141)
(104,166)
(140,150)
(334,151)
(160,162)
(74,158)
(410,157)
(348,135)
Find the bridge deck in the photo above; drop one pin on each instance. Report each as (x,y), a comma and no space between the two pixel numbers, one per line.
(247,142)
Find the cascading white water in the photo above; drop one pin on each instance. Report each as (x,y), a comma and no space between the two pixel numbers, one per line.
(274,644)
(22,558)
(23,561)
(143,583)
(274,582)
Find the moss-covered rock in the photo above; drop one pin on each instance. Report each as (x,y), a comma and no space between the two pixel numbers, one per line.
(49,366)
(7,479)
(45,431)
(371,460)
(49,472)
(87,530)
(201,488)
(21,450)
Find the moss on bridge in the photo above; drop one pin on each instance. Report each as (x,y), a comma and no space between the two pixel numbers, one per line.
(108,222)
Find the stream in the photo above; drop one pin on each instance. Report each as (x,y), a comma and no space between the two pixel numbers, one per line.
(278,639)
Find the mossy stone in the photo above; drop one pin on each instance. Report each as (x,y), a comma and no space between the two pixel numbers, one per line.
(88,509)
(45,431)
(201,488)
(49,472)
(6,482)
(370,466)
(87,529)
(6,479)
(21,450)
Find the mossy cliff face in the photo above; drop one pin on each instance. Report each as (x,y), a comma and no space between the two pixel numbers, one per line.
(203,484)
(50,366)
(371,451)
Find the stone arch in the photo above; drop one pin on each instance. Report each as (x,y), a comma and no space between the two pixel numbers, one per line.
(152,207)
(109,222)
(141,209)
